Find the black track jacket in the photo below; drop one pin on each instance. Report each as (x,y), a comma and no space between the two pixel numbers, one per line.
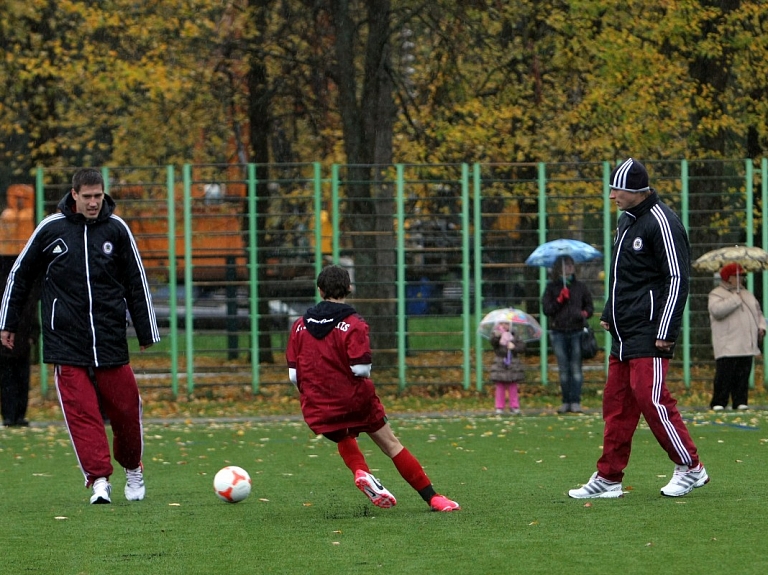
(92,275)
(649,280)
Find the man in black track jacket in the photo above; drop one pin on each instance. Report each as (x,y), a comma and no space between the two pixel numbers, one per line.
(649,279)
(92,276)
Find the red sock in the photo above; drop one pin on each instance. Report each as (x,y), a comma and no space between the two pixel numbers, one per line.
(411,470)
(351,454)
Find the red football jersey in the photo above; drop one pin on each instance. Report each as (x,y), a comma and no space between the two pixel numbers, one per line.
(332,397)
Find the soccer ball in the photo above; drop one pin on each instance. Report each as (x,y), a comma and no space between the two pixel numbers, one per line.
(232,484)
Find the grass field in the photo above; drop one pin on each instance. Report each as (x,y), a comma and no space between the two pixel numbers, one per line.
(304,515)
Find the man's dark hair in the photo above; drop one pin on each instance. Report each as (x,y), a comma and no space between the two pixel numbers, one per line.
(334,281)
(87,177)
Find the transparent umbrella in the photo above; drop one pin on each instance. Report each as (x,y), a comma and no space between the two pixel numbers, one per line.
(525,325)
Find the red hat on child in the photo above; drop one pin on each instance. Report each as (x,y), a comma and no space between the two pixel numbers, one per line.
(731,270)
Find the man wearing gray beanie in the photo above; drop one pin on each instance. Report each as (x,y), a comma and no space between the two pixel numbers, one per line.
(649,280)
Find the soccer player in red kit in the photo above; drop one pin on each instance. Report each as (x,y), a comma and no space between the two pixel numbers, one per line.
(329,361)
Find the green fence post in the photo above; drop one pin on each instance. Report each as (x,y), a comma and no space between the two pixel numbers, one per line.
(686,335)
(478,223)
(253,276)
(318,204)
(105,177)
(39,215)
(608,228)
(764,237)
(401,319)
(543,351)
(173,318)
(750,190)
(39,194)
(189,322)
(335,213)
(466,310)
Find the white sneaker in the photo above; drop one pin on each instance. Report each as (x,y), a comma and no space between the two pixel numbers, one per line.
(375,491)
(742,407)
(101,491)
(684,480)
(717,408)
(134,484)
(597,487)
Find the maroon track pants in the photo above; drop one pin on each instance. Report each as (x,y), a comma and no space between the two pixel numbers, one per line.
(80,396)
(635,387)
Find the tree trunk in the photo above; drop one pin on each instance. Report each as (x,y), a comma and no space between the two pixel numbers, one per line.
(367,128)
(259,126)
(706,197)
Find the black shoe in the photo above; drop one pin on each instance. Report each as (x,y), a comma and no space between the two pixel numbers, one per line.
(17,423)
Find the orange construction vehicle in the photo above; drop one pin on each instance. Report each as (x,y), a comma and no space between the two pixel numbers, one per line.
(17,222)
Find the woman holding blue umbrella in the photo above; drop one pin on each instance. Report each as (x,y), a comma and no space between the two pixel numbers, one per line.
(567,302)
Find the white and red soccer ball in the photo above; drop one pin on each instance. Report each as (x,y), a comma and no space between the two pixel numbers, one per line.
(232,484)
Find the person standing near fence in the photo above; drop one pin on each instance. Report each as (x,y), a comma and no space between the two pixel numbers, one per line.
(92,275)
(15,363)
(648,289)
(329,362)
(567,302)
(17,221)
(507,369)
(738,326)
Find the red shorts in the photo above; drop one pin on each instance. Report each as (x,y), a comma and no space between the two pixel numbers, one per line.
(340,434)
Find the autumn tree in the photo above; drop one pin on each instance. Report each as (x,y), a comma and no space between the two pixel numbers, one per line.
(113,82)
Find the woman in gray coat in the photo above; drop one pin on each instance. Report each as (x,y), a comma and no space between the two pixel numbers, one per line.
(738,326)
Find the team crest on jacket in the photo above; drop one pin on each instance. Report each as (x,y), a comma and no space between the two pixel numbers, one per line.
(107,248)
(637,244)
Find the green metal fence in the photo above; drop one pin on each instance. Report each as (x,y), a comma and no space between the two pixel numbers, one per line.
(232,252)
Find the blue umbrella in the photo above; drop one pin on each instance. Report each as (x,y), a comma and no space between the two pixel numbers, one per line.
(546,254)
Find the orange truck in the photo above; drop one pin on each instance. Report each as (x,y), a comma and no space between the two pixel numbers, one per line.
(217,239)
(17,221)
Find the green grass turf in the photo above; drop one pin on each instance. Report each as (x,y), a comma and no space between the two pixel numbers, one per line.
(511,476)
